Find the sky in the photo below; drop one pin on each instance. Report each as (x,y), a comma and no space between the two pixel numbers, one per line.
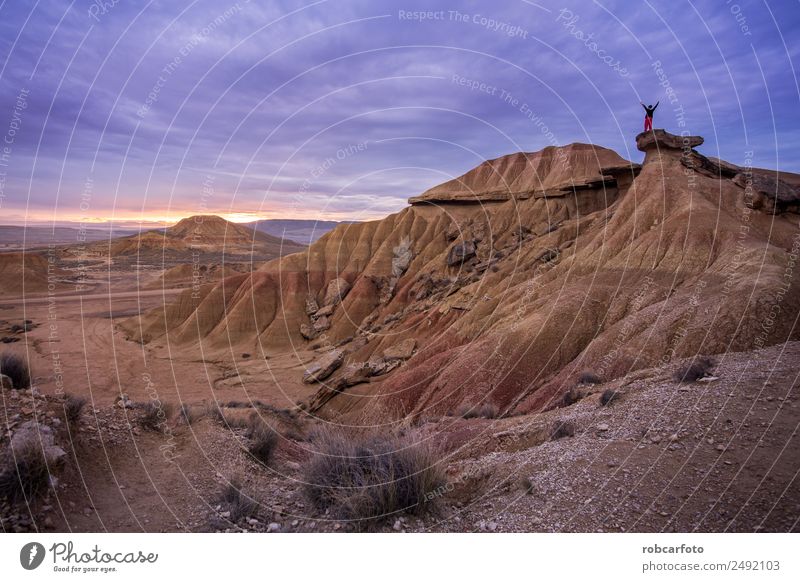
(136,111)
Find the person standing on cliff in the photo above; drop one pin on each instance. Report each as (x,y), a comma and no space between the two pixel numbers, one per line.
(648,115)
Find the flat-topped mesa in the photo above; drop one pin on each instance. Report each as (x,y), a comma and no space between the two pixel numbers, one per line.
(551,172)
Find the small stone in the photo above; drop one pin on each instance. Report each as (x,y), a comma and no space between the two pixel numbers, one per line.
(295,523)
(720,448)
(397,525)
(225,514)
(673,438)
(274,526)
(602,427)
(492,526)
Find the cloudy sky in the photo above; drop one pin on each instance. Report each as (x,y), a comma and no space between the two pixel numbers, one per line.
(333,109)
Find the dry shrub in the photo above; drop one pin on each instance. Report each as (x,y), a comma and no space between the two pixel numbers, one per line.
(525,484)
(562,429)
(367,479)
(696,369)
(589,378)
(570,397)
(215,412)
(608,396)
(25,474)
(73,409)
(156,415)
(263,442)
(189,415)
(485,410)
(240,505)
(15,368)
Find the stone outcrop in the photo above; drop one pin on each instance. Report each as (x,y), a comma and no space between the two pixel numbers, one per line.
(336,291)
(32,434)
(323,367)
(400,351)
(460,252)
(764,190)
(659,139)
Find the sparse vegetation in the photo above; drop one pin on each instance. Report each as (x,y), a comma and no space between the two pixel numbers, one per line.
(17,369)
(562,429)
(155,416)
(263,441)
(215,412)
(24,474)
(189,415)
(570,397)
(608,396)
(525,485)
(239,504)
(73,409)
(589,378)
(696,369)
(367,479)
(485,410)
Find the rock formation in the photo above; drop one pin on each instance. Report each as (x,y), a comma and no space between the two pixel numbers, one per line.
(569,259)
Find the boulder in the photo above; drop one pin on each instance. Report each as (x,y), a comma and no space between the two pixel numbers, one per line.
(324,312)
(323,367)
(401,258)
(307,331)
(6,383)
(40,436)
(311,305)
(321,324)
(336,291)
(659,139)
(400,351)
(460,252)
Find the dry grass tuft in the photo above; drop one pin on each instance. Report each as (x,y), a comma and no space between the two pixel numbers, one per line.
(25,474)
(17,369)
(367,479)
(696,369)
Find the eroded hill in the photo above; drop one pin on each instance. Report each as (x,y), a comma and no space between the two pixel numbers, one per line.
(502,286)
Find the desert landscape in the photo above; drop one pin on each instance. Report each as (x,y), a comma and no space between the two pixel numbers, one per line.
(555,341)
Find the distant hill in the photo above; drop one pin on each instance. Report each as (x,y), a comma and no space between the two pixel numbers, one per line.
(18,237)
(301,231)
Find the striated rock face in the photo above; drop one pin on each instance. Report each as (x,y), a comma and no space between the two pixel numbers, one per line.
(607,279)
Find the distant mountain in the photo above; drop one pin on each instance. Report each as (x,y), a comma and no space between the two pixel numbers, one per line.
(15,237)
(206,233)
(301,231)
